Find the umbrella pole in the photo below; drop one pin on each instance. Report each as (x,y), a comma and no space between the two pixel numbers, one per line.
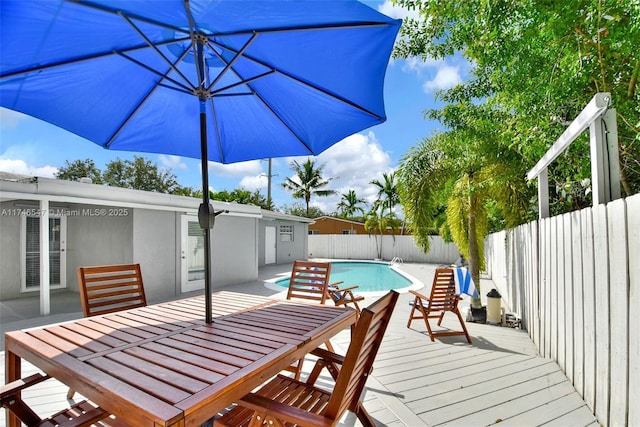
(205,213)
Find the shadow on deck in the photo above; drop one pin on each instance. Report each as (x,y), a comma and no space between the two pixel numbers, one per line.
(500,378)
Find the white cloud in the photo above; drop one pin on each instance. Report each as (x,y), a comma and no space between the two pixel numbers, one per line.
(172,162)
(397,12)
(235,170)
(446,77)
(419,66)
(21,167)
(253,183)
(352,163)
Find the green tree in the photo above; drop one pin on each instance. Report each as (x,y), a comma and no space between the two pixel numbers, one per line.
(468,170)
(388,196)
(74,171)
(244,197)
(140,174)
(298,209)
(377,223)
(307,182)
(349,204)
(541,62)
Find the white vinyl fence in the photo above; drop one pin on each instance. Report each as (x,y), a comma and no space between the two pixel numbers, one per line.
(575,280)
(350,246)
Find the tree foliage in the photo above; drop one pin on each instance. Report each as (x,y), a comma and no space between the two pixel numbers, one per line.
(78,169)
(137,174)
(298,209)
(244,197)
(349,205)
(465,172)
(307,182)
(541,62)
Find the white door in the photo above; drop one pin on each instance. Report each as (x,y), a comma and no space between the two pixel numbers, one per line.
(31,252)
(270,245)
(192,254)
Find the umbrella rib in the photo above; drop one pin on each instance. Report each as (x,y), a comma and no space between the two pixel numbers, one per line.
(217,130)
(153,46)
(144,100)
(82,59)
(164,76)
(308,84)
(286,125)
(117,11)
(228,65)
(327,26)
(217,92)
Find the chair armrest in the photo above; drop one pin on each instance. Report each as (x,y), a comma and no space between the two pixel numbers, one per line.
(348,288)
(281,411)
(419,295)
(328,355)
(335,284)
(22,383)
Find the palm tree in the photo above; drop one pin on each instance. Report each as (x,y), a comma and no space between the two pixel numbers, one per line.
(376,222)
(307,182)
(349,205)
(388,196)
(463,171)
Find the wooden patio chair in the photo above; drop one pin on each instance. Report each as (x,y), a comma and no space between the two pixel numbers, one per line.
(443,299)
(310,282)
(80,414)
(285,401)
(110,288)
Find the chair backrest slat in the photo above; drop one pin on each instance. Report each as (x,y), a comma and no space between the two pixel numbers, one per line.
(365,342)
(309,281)
(110,288)
(443,291)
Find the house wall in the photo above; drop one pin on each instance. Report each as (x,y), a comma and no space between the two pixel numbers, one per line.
(286,252)
(234,255)
(334,226)
(155,248)
(97,240)
(9,253)
(297,249)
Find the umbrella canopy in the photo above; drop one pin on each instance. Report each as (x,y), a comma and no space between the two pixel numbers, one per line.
(219,80)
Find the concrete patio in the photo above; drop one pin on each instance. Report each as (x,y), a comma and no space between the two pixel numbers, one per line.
(500,378)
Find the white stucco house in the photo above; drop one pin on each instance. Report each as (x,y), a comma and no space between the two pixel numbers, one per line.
(89,224)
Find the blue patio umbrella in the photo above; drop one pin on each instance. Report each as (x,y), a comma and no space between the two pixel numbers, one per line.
(220,80)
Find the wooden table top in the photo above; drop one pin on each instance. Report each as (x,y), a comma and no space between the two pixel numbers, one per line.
(163,365)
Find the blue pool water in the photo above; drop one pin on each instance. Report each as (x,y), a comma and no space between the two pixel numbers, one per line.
(369,276)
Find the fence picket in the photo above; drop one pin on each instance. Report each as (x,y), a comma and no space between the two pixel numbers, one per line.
(633,236)
(618,311)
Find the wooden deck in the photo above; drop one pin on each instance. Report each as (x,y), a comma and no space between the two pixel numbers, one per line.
(498,379)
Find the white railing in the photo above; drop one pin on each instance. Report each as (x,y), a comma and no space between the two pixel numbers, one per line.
(575,280)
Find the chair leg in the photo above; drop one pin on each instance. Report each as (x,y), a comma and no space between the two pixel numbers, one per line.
(417,305)
(464,327)
(440,319)
(364,417)
(71,393)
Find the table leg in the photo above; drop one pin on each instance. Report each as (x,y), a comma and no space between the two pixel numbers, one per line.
(13,371)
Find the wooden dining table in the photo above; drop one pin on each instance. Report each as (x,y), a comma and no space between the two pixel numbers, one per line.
(163,365)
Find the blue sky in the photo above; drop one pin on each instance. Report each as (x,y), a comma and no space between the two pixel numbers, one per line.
(33,147)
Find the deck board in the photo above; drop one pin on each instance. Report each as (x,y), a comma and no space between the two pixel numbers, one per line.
(415,382)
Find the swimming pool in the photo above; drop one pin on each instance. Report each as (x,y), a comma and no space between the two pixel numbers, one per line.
(371,277)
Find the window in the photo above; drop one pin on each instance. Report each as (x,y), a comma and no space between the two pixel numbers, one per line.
(314,231)
(286,233)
